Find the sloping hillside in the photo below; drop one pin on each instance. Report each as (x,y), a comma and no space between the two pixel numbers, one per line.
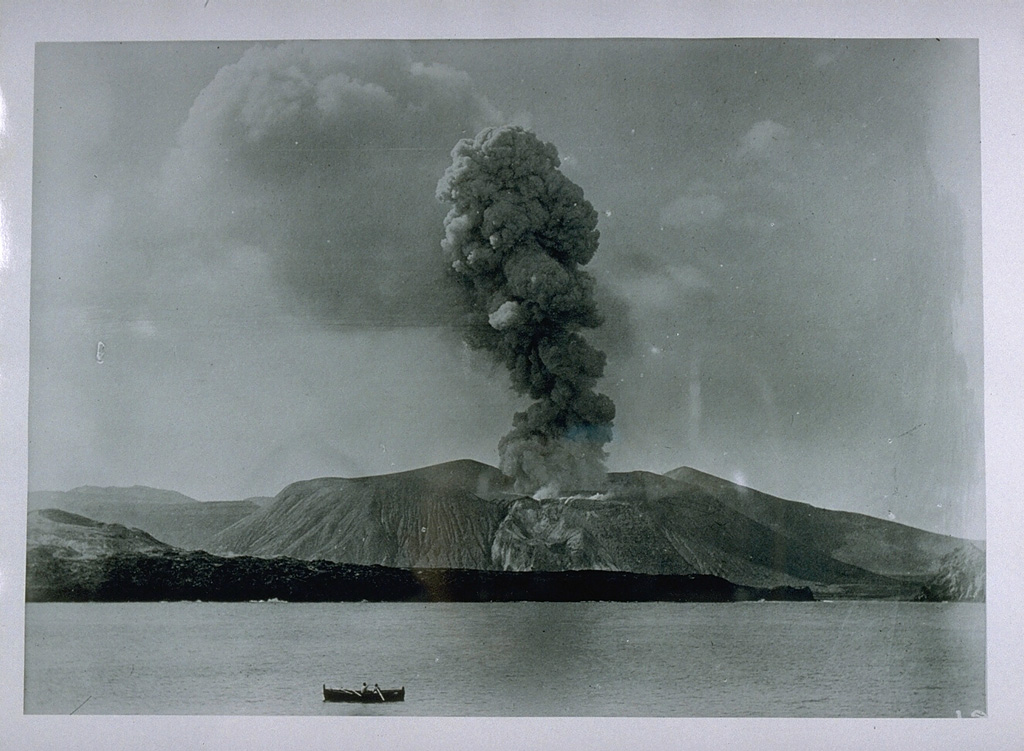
(651,524)
(874,544)
(437,517)
(169,516)
(69,535)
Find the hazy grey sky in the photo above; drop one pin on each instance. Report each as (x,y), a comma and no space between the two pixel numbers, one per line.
(789,262)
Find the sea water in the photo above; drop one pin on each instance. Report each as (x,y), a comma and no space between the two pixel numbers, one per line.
(820,659)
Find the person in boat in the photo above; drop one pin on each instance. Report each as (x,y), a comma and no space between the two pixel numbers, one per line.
(365,688)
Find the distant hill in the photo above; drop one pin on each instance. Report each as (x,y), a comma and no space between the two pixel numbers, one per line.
(878,545)
(90,493)
(76,536)
(169,516)
(257,500)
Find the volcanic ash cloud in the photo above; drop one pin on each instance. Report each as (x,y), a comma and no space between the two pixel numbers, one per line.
(516,237)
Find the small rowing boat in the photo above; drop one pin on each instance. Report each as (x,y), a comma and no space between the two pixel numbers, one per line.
(373,695)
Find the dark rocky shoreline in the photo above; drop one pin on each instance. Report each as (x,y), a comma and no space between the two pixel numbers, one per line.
(197,575)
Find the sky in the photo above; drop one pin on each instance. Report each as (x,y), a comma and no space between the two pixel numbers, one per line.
(237,279)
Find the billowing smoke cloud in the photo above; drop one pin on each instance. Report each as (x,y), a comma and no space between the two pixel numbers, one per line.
(516,237)
(321,158)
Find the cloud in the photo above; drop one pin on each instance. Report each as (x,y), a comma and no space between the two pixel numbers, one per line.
(765,140)
(693,209)
(325,157)
(143,328)
(672,288)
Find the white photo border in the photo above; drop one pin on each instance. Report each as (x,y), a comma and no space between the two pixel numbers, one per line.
(997,26)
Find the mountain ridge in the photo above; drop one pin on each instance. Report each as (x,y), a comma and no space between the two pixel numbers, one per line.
(171,517)
(463,515)
(71,535)
(882,545)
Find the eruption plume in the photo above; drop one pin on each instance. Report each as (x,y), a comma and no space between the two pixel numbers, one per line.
(516,236)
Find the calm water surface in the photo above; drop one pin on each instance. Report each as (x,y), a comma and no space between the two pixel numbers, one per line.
(840,659)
